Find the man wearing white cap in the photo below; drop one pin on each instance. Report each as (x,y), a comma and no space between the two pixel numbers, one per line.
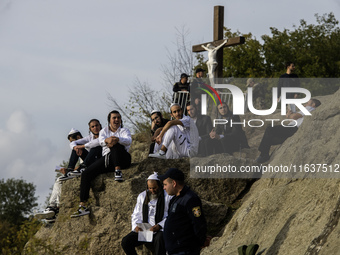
(151,207)
(53,205)
(179,137)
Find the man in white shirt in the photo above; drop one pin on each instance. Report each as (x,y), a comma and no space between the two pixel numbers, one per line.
(116,142)
(278,134)
(151,207)
(179,137)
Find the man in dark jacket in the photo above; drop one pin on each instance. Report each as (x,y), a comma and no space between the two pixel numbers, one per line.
(226,137)
(181,91)
(185,228)
(157,123)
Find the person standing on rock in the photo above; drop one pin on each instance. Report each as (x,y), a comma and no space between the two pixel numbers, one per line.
(116,142)
(278,134)
(185,230)
(288,79)
(151,207)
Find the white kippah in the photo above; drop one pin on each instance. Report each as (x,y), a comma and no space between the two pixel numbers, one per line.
(154,176)
(73,131)
(173,104)
(154,111)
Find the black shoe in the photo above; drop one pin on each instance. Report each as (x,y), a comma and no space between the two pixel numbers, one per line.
(77,172)
(67,175)
(51,220)
(261,159)
(118,176)
(82,211)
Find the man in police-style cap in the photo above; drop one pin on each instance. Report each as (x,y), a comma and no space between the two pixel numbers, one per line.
(185,228)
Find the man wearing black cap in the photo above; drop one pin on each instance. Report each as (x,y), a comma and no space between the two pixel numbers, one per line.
(185,228)
(195,92)
(180,90)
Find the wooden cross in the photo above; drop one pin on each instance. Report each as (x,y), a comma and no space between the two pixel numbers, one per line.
(218,40)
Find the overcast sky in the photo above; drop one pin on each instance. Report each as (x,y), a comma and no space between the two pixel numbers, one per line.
(59,59)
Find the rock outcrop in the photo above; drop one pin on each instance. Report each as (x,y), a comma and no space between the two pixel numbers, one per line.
(294,215)
(283,215)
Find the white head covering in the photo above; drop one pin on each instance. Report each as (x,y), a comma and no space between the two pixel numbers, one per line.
(154,111)
(173,104)
(73,131)
(154,176)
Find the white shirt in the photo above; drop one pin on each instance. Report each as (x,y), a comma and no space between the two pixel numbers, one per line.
(189,129)
(137,215)
(300,120)
(123,134)
(89,142)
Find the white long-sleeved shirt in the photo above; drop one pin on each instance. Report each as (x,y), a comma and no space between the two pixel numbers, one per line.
(89,142)
(137,215)
(123,134)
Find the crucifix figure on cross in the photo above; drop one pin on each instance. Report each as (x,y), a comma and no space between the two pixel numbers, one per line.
(214,48)
(212,60)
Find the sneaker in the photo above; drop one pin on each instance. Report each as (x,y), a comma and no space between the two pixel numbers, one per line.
(81,212)
(67,176)
(49,212)
(160,154)
(118,176)
(51,220)
(77,172)
(261,159)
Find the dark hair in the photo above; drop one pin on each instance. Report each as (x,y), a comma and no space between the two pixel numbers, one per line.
(74,136)
(179,182)
(109,117)
(288,63)
(92,121)
(316,102)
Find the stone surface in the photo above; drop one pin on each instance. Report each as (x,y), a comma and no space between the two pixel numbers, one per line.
(283,215)
(293,215)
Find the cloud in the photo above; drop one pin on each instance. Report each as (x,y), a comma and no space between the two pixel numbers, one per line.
(25,155)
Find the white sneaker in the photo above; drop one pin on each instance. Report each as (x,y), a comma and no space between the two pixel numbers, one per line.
(49,212)
(160,154)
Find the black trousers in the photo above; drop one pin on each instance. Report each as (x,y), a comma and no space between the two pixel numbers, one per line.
(88,157)
(130,242)
(117,157)
(273,136)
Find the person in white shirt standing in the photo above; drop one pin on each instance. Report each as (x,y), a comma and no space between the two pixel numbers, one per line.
(179,137)
(116,142)
(151,207)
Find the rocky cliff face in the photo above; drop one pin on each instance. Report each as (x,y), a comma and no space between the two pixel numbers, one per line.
(294,215)
(284,216)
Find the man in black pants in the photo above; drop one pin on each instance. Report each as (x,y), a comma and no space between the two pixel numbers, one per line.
(278,134)
(185,228)
(151,207)
(116,142)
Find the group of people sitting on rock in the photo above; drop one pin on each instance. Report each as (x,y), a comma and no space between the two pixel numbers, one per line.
(106,150)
